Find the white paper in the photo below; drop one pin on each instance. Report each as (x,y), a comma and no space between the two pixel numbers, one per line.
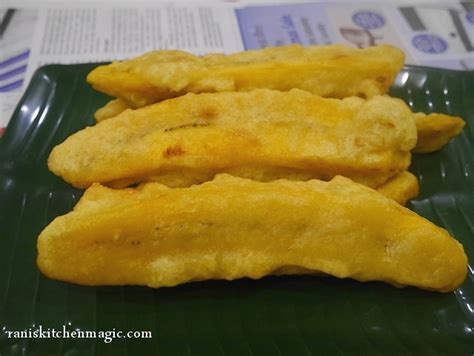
(14,57)
(81,35)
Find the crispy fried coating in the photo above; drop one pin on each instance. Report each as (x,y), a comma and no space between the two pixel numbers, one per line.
(295,135)
(231,228)
(331,71)
(401,188)
(111,109)
(435,131)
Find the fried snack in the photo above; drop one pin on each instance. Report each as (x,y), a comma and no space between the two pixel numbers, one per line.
(232,228)
(294,135)
(435,130)
(401,188)
(331,71)
(111,109)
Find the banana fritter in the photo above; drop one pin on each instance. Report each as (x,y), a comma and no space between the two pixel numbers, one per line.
(401,188)
(435,131)
(111,109)
(331,71)
(232,228)
(294,135)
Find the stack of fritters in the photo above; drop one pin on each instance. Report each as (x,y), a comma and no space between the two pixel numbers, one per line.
(277,121)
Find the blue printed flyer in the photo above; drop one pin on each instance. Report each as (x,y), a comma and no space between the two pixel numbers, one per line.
(277,25)
(436,34)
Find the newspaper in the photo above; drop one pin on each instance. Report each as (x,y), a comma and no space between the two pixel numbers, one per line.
(432,34)
(439,34)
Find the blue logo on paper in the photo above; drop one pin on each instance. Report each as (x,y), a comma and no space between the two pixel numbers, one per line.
(429,43)
(470,16)
(368,20)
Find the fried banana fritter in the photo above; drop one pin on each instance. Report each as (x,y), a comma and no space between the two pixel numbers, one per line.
(331,71)
(401,188)
(295,135)
(111,109)
(231,228)
(435,131)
